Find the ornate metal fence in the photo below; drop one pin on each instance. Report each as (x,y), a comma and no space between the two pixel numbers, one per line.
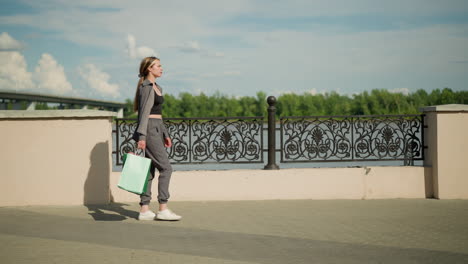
(202,140)
(352,138)
(302,138)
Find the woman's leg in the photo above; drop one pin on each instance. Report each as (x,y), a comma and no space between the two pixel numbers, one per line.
(145,198)
(156,151)
(162,207)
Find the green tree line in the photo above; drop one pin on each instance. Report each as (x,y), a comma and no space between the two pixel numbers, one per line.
(375,102)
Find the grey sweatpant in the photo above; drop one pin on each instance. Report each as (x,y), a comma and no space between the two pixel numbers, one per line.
(156,151)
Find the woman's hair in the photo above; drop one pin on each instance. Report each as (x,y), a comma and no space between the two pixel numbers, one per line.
(144,65)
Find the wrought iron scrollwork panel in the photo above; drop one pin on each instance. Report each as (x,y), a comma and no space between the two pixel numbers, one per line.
(227,141)
(315,139)
(179,133)
(124,141)
(351,138)
(387,138)
(202,140)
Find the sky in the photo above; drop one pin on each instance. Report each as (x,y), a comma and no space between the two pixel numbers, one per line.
(92,49)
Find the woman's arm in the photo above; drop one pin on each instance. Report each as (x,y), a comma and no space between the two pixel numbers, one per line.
(146,103)
(165,133)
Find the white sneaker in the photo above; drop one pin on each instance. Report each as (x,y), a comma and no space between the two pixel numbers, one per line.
(148,215)
(168,215)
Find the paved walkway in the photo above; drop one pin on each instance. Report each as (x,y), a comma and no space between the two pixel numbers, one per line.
(298,231)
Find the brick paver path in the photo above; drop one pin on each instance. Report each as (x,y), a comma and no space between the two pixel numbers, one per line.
(296,231)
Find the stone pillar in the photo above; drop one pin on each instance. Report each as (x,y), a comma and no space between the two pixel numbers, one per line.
(446,138)
(55,157)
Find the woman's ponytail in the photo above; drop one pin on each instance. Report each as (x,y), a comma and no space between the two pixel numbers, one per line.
(136,101)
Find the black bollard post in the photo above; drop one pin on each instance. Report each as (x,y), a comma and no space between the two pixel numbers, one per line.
(271,135)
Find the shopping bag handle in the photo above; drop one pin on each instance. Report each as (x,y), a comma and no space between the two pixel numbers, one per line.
(133,153)
(136,152)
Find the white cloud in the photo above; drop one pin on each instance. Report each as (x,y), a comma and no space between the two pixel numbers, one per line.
(51,76)
(193,46)
(215,54)
(98,80)
(7,43)
(404,91)
(219,54)
(271,57)
(232,73)
(283,92)
(190,46)
(367,60)
(302,8)
(13,72)
(313,91)
(135,52)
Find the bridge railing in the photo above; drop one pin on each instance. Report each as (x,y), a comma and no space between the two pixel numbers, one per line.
(12,100)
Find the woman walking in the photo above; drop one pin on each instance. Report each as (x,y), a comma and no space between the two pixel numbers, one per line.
(152,137)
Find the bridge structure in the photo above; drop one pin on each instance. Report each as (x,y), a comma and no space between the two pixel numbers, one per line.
(21,100)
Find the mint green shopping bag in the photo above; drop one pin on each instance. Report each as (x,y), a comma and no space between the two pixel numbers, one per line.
(135,173)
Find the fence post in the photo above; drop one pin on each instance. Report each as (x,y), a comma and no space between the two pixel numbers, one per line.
(271,135)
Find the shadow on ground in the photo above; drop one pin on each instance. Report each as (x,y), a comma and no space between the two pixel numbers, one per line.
(118,212)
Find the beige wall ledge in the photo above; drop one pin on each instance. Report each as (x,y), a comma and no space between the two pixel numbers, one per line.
(445,108)
(310,183)
(64,157)
(68,113)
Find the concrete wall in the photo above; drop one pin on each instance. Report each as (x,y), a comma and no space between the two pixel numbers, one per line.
(55,157)
(314,183)
(64,158)
(447,153)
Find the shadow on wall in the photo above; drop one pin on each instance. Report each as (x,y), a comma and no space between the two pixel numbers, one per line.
(96,188)
(97,194)
(429,183)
